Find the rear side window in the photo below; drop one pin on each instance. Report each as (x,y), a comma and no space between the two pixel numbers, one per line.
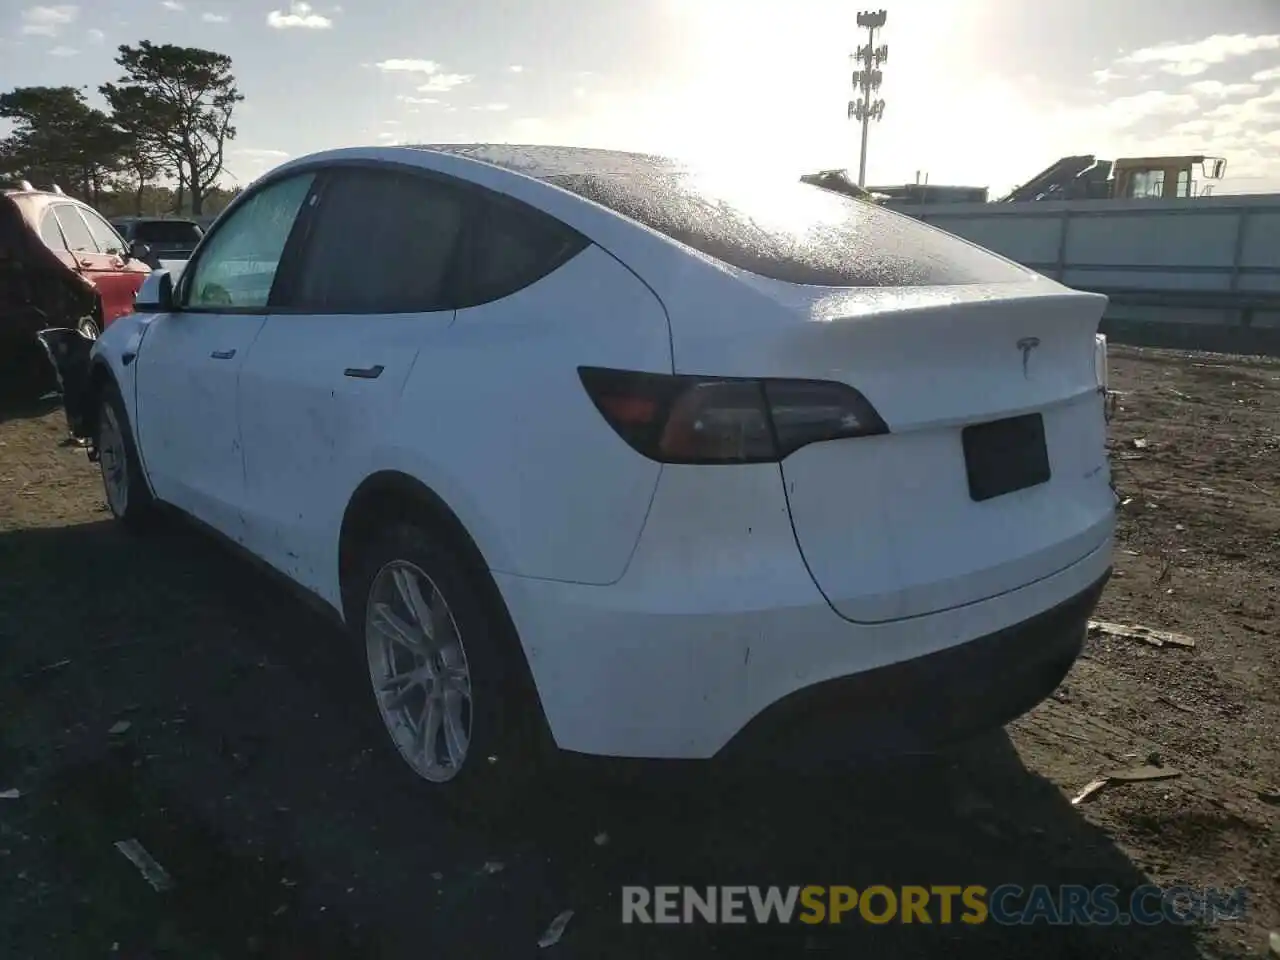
(381,241)
(513,246)
(788,230)
(50,233)
(79,239)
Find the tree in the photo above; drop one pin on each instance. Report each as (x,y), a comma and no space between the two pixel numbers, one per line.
(185,98)
(142,126)
(58,138)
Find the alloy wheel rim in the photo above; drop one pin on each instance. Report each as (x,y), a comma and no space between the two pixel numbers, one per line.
(88,329)
(418,666)
(111,460)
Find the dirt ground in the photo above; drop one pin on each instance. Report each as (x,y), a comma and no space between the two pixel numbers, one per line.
(246,761)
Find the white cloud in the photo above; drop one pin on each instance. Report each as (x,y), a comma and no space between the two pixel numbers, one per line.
(173,5)
(1262,76)
(408,66)
(1105,75)
(1215,88)
(300,15)
(63,52)
(1125,112)
(444,82)
(47,21)
(391,123)
(96,36)
(1193,59)
(416,100)
(1193,127)
(257,153)
(493,107)
(516,68)
(213,18)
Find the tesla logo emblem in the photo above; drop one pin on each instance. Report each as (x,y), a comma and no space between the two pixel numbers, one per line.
(1026,345)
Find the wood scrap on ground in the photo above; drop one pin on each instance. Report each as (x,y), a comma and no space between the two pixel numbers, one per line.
(1148,635)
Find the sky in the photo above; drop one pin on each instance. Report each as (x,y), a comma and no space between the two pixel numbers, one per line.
(978,92)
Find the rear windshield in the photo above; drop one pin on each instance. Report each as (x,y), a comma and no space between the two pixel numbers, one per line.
(167,231)
(788,230)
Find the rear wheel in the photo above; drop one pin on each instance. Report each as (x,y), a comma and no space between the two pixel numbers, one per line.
(449,681)
(125,487)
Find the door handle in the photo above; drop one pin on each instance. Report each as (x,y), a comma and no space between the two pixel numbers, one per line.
(86,263)
(364,373)
(223,354)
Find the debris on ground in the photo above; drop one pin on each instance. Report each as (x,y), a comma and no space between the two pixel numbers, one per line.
(1148,635)
(1139,443)
(492,866)
(1269,796)
(13,793)
(602,839)
(47,668)
(1274,941)
(556,930)
(1150,771)
(1142,773)
(151,871)
(1090,788)
(119,727)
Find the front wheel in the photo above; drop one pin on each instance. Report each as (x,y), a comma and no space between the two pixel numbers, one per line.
(128,496)
(449,680)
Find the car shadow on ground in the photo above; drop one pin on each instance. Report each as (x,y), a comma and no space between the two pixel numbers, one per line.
(28,404)
(247,762)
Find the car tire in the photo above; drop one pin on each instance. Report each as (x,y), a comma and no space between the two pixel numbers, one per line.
(124,486)
(87,327)
(471,644)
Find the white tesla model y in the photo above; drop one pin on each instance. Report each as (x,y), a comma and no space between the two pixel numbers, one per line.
(600,451)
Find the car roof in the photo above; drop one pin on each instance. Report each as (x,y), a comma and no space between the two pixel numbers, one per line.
(550,162)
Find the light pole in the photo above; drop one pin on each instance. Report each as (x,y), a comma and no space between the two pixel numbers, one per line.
(866,80)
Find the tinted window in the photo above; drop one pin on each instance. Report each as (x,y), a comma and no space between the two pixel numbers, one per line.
(794,231)
(381,242)
(79,239)
(237,267)
(514,246)
(776,227)
(50,233)
(167,231)
(103,235)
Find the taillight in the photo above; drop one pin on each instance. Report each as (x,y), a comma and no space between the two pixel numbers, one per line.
(689,419)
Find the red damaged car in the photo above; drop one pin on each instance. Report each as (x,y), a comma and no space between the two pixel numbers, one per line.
(61,265)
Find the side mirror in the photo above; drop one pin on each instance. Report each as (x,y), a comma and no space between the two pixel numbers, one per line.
(156,293)
(139,251)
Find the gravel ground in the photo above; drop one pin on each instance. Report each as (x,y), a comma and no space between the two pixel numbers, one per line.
(247,762)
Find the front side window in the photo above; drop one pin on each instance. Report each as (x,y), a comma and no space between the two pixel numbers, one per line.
(79,239)
(50,233)
(237,267)
(104,236)
(382,241)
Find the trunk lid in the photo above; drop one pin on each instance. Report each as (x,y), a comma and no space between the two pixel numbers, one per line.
(994,473)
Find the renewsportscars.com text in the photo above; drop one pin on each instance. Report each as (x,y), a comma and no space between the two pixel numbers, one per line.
(1008,904)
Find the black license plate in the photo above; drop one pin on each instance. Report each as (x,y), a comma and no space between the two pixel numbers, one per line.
(1005,455)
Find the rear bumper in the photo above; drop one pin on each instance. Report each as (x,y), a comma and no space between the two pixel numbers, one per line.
(716,643)
(920,704)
